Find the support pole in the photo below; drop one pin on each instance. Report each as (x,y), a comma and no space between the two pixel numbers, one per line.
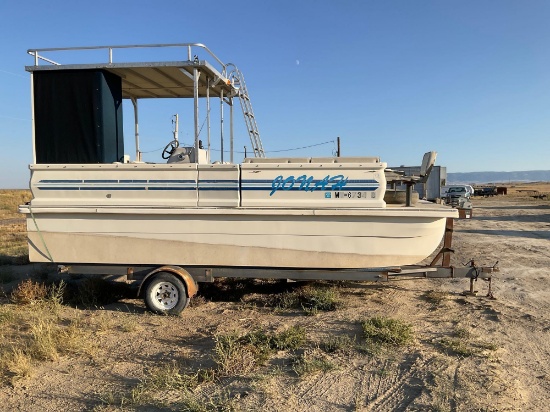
(338,146)
(231,130)
(196,75)
(136,128)
(176,126)
(446,250)
(208,115)
(408,194)
(32,113)
(448,242)
(221,123)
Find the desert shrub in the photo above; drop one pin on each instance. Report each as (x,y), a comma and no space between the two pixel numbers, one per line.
(456,346)
(171,376)
(233,357)
(311,299)
(386,331)
(311,362)
(15,365)
(28,292)
(337,343)
(237,354)
(435,297)
(463,344)
(49,339)
(6,315)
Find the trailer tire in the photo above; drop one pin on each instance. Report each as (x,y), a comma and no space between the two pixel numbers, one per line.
(166,294)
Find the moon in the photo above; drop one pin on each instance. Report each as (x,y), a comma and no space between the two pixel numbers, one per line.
(297,62)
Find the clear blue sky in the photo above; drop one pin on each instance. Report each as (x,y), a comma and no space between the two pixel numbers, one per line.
(469,79)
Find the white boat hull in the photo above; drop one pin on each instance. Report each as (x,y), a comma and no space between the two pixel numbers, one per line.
(247,237)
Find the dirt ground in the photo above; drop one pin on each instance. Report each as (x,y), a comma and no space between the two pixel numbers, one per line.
(468,353)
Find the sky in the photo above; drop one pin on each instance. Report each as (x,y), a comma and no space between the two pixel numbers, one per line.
(469,79)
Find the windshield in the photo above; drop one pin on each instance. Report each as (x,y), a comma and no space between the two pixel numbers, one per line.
(456,190)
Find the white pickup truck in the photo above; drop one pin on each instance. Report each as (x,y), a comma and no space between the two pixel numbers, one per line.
(452,194)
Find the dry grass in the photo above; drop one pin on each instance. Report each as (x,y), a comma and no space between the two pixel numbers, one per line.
(312,299)
(436,297)
(13,244)
(17,365)
(29,292)
(462,343)
(338,344)
(10,201)
(311,362)
(519,190)
(32,331)
(237,354)
(387,331)
(13,230)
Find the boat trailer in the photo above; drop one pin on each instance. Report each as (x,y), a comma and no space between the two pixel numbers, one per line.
(169,283)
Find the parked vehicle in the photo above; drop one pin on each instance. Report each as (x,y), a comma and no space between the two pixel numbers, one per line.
(489,191)
(467,188)
(454,193)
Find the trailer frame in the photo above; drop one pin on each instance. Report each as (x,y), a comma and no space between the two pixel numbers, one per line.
(191,276)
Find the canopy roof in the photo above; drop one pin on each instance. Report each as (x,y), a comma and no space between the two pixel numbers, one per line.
(172,79)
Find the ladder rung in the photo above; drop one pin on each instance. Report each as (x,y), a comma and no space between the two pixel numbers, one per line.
(250,120)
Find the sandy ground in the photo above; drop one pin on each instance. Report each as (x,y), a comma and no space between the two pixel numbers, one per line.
(509,370)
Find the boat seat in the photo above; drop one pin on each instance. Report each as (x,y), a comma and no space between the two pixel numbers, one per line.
(398,176)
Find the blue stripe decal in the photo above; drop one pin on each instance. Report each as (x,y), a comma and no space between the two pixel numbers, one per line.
(123,184)
(60,181)
(218,188)
(312,181)
(113,188)
(297,189)
(172,181)
(132,181)
(59,188)
(171,188)
(206,185)
(220,181)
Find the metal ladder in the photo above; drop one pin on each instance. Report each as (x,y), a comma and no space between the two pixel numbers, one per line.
(237,79)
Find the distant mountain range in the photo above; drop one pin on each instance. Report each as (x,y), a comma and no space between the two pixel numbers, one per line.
(499,177)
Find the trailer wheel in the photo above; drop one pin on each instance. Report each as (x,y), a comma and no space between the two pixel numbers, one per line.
(166,294)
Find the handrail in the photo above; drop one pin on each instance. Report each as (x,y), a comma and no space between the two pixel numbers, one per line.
(37,57)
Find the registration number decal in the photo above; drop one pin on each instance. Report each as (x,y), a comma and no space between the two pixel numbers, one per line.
(354,195)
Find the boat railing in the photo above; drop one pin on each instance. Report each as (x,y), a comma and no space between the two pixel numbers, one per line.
(190,47)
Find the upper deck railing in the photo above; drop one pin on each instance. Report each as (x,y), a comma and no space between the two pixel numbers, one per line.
(110,49)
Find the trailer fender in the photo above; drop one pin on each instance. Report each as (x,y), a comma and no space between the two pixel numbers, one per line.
(191,285)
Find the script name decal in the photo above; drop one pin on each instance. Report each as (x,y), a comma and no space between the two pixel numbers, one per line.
(308,183)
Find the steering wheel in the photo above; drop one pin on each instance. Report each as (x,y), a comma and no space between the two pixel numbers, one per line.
(169,149)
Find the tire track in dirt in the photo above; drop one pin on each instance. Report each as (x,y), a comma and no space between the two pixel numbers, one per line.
(400,390)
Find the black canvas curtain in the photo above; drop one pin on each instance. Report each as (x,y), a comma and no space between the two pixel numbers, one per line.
(78,116)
